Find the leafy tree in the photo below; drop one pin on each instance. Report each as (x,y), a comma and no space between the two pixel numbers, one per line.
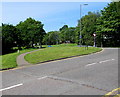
(9,36)
(70,34)
(64,27)
(63,34)
(67,34)
(108,25)
(0,40)
(31,32)
(88,24)
(51,38)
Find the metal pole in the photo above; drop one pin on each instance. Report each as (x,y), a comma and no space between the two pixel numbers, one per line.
(80,36)
(101,41)
(94,41)
(80,24)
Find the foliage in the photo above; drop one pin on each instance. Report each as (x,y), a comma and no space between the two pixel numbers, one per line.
(88,24)
(9,36)
(25,34)
(31,32)
(51,38)
(0,40)
(67,34)
(108,25)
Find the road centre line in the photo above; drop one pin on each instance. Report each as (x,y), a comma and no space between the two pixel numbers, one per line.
(42,77)
(99,62)
(106,60)
(11,87)
(91,64)
(48,76)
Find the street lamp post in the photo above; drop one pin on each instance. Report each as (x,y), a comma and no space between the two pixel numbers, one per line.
(80,36)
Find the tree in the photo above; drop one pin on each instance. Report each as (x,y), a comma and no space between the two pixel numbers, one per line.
(88,24)
(51,38)
(63,34)
(70,34)
(67,34)
(108,25)
(31,32)
(0,40)
(9,36)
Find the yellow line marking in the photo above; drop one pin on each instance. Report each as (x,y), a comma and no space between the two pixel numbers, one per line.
(112,92)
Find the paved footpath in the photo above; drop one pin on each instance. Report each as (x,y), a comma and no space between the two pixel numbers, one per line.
(21,61)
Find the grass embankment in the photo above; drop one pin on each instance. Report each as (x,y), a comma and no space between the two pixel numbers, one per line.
(51,53)
(9,60)
(58,52)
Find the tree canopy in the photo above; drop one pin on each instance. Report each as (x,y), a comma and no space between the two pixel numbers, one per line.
(67,34)
(88,24)
(108,25)
(51,38)
(9,36)
(24,34)
(31,32)
(105,24)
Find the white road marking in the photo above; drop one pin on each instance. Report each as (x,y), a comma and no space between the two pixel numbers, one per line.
(19,84)
(43,77)
(112,59)
(106,60)
(11,87)
(99,62)
(91,64)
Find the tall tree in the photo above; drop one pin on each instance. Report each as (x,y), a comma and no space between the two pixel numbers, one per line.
(109,24)
(63,34)
(88,24)
(0,40)
(51,38)
(9,37)
(31,31)
(67,34)
(70,34)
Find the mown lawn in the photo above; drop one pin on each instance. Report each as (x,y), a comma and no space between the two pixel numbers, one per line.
(58,52)
(46,54)
(9,60)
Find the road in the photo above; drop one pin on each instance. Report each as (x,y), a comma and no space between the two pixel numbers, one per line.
(94,74)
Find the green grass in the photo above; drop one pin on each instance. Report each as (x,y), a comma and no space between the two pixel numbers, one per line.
(61,45)
(58,52)
(9,60)
(49,53)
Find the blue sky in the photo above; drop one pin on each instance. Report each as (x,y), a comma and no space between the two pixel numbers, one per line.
(52,14)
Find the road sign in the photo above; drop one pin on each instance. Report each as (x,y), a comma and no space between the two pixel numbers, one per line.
(94,34)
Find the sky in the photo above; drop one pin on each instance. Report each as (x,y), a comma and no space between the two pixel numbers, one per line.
(52,14)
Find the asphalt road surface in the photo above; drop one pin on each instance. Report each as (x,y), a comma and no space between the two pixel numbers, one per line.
(94,74)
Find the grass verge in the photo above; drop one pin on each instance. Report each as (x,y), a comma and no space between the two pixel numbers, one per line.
(9,60)
(58,52)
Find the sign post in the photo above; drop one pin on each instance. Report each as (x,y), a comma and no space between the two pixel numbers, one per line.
(94,34)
